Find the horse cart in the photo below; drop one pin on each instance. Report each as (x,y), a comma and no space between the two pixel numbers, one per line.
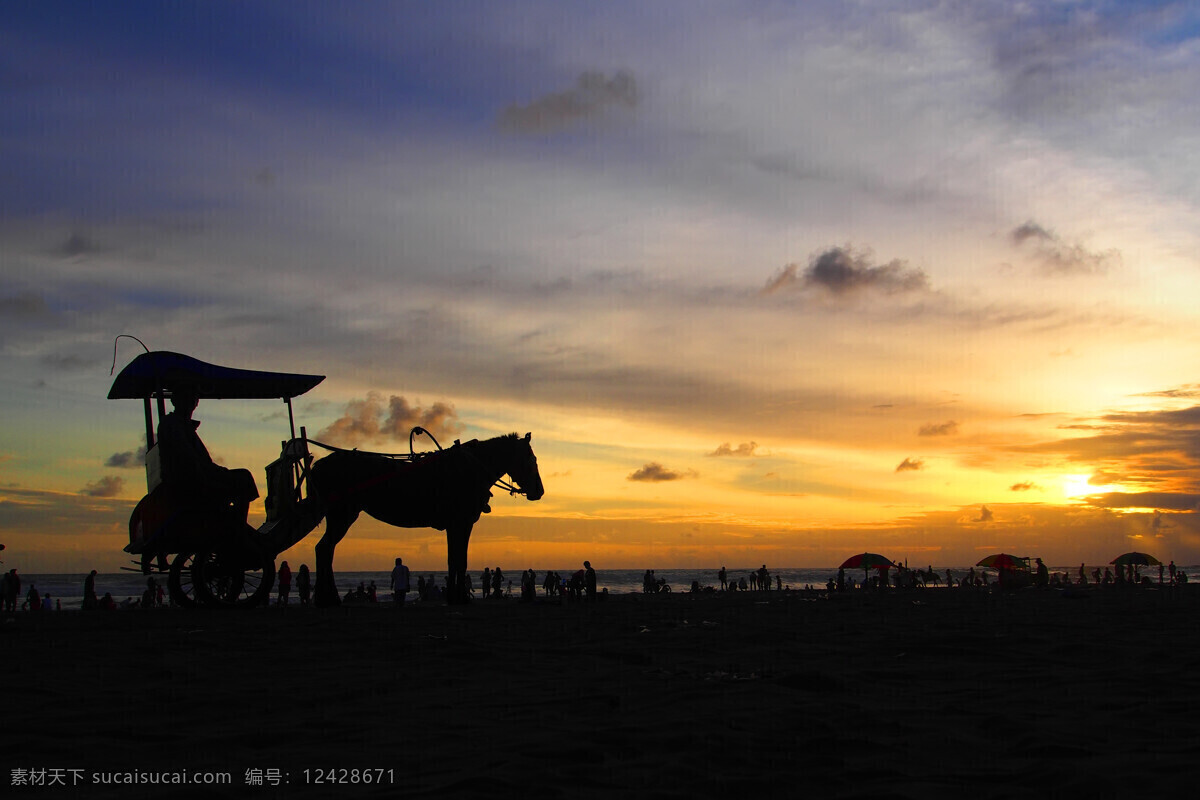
(210,555)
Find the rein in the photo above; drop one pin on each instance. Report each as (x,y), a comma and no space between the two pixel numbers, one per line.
(414,458)
(499,481)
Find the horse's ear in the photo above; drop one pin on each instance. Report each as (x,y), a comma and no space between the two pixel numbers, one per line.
(528,436)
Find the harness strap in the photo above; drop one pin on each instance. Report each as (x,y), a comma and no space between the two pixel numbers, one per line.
(413,460)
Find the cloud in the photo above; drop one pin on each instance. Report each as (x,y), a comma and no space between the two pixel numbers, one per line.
(744,449)
(591,96)
(39,513)
(654,472)
(1187,391)
(948,428)
(839,271)
(1103,478)
(77,244)
(1030,230)
(1153,455)
(1150,500)
(985,515)
(23,306)
(369,419)
(910,464)
(108,486)
(1023,486)
(1058,257)
(60,362)
(130,459)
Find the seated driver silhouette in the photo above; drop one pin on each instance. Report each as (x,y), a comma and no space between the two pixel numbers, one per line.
(188,467)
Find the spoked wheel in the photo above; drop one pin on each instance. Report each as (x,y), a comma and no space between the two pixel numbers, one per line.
(180,582)
(233,573)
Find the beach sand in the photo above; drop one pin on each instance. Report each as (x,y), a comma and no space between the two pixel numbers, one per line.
(899,694)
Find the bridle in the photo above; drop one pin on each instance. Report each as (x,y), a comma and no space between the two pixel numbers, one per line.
(498,481)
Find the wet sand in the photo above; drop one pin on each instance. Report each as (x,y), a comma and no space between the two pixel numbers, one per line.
(901,694)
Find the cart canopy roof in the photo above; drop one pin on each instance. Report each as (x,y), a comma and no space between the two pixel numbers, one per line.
(162,373)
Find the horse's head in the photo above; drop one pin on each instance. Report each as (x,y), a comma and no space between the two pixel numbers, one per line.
(524,469)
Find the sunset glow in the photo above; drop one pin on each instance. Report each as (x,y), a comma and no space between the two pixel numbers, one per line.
(775,285)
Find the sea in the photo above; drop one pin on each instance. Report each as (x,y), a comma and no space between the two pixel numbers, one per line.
(66,590)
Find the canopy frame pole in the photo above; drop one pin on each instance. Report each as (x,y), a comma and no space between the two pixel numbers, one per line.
(149,424)
(291,419)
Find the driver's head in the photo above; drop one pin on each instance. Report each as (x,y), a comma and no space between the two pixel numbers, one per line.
(185,400)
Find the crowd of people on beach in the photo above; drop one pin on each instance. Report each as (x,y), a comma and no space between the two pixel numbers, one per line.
(758,580)
(493,585)
(10,592)
(581,585)
(1006,578)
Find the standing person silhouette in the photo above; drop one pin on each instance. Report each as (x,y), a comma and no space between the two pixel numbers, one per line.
(284,577)
(400,583)
(589,581)
(12,589)
(304,584)
(90,600)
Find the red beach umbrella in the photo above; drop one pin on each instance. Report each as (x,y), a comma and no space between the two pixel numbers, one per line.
(866,561)
(1137,559)
(1005,561)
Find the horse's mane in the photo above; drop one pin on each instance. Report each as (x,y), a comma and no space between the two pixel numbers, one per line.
(502,438)
(507,438)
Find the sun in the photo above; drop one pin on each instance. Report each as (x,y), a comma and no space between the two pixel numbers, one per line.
(1076,486)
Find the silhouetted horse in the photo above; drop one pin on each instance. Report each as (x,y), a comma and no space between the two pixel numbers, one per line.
(928,576)
(447,490)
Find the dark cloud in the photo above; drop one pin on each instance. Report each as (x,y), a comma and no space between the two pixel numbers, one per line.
(23,511)
(1167,500)
(657,473)
(1023,486)
(1102,478)
(1187,391)
(63,362)
(371,419)
(1030,230)
(1156,452)
(77,244)
(440,419)
(1057,257)
(840,272)
(948,428)
(591,96)
(744,449)
(910,465)
(985,515)
(23,306)
(108,486)
(130,459)
(1083,74)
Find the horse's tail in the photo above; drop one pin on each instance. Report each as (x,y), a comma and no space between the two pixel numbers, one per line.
(320,492)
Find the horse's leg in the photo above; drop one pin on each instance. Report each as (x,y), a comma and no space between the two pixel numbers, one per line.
(456,562)
(337,522)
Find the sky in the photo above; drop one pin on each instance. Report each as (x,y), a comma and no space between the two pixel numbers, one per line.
(767,282)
